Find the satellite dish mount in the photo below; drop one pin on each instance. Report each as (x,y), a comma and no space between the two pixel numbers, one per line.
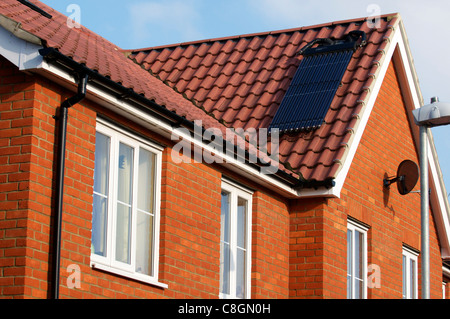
(406,179)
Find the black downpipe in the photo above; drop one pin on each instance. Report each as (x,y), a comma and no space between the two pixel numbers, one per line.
(61,160)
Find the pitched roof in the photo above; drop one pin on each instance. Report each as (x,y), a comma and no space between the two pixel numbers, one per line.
(235,82)
(242,80)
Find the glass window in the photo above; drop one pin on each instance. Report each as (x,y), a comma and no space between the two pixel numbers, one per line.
(235,242)
(409,273)
(225,245)
(125,220)
(101,193)
(356,261)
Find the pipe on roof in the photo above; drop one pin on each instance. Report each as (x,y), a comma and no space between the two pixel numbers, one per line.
(61,159)
(34,7)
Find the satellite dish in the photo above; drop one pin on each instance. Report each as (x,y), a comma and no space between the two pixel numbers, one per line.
(406,179)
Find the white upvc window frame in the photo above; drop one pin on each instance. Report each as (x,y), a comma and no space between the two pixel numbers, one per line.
(236,191)
(356,228)
(410,289)
(444,284)
(109,263)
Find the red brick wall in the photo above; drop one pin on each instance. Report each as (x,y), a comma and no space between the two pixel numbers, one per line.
(306,245)
(12,218)
(27,147)
(394,219)
(270,247)
(298,247)
(25,183)
(190,208)
(190,229)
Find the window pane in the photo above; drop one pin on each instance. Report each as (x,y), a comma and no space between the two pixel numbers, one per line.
(146,181)
(99,224)
(241,247)
(124,200)
(240,273)
(412,279)
(241,223)
(101,168)
(225,217)
(225,244)
(100,204)
(225,268)
(144,243)
(359,246)
(359,265)
(349,263)
(144,229)
(359,289)
(404,277)
(123,233)
(125,175)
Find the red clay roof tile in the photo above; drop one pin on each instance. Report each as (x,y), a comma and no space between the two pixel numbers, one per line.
(245,78)
(239,81)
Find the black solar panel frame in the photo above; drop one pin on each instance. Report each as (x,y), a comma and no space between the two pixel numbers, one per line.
(311,91)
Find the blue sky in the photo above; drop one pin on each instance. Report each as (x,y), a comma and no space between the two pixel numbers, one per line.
(136,24)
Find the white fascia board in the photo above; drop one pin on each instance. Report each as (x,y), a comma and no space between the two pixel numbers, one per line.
(441,216)
(23,54)
(366,112)
(398,45)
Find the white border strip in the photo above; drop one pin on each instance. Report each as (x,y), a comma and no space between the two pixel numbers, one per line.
(366,112)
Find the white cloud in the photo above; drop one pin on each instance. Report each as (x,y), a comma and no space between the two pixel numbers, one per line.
(154,21)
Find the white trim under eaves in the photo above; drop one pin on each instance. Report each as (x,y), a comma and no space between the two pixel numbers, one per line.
(366,112)
(440,213)
(26,57)
(398,48)
(23,54)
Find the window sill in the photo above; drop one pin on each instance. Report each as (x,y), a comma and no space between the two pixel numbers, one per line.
(137,277)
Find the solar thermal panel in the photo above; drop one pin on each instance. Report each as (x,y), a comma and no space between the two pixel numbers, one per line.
(311,91)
